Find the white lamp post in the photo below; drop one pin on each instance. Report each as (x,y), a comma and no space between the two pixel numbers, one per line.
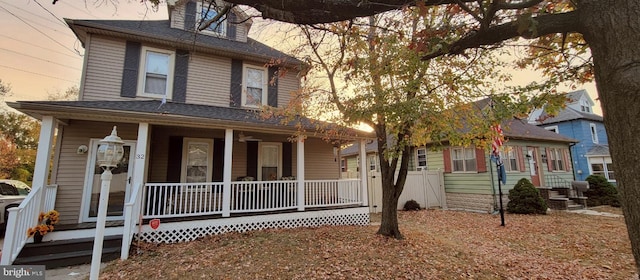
(110,152)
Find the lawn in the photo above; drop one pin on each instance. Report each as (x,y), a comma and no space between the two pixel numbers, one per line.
(438,244)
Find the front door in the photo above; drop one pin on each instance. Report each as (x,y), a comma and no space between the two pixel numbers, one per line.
(119,190)
(270,168)
(532,155)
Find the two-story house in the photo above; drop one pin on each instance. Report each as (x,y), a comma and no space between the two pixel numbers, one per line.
(198,155)
(577,120)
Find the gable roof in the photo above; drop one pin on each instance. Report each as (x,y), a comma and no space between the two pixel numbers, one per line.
(598,150)
(567,114)
(516,129)
(160,32)
(153,111)
(575,96)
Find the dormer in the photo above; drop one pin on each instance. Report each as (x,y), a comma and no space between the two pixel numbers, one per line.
(580,101)
(196,15)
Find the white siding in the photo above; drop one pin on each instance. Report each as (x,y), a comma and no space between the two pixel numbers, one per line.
(177,17)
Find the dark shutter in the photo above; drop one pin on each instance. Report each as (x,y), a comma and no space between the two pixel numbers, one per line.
(236,83)
(446,155)
(567,159)
(521,159)
(180,73)
(129,84)
(287,154)
(481,160)
(252,159)
(549,162)
(231,26)
(218,159)
(190,16)
(174,165)
(272,98)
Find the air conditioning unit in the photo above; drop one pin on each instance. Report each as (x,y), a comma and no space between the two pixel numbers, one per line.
(421,168)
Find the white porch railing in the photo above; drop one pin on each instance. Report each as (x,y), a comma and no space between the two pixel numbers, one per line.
(131,219)
(167,200)
(325,193)
(263,196)
(50,193)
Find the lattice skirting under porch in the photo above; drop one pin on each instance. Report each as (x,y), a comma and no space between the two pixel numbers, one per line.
(190,230)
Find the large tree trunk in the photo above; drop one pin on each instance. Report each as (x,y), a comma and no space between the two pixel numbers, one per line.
(612,29)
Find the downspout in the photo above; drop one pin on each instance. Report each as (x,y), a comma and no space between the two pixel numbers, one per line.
(571,146)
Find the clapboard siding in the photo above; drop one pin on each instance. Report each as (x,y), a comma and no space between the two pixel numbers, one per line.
(287,85)
(105,62)
(177,17)
(320,163)
(209,80)
(71,168)
(241,32)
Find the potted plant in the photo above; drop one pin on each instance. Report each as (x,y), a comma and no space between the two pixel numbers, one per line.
(45,225)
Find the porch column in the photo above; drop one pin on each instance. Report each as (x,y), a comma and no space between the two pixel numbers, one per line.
(363,173)
(140,164)
(41,168)
(300,171)
(226,173)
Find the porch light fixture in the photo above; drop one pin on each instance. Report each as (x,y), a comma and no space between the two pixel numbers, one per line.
(110,153)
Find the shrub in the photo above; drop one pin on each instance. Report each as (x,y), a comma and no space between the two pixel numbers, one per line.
(411,205)
(601,192)
(524,198)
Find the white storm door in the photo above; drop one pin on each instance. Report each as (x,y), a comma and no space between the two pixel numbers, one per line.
(119,190)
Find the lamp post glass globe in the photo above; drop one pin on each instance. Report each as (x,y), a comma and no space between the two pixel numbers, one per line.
(111,150)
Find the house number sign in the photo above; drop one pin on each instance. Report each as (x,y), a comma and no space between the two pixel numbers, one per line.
(139,156)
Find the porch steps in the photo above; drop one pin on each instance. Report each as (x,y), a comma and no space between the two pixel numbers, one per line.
(562,202)
(68,252)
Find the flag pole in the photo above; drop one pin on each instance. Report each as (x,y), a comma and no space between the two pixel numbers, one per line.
(498,166)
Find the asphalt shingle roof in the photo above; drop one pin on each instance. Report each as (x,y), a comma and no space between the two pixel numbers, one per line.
(568,114)
(161,30)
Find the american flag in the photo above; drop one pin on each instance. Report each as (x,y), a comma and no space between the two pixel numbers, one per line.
(497,141)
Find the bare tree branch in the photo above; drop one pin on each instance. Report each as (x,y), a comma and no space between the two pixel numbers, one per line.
(502,5)
(545,24)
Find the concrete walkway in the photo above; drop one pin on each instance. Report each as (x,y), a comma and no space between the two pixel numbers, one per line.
(595,213)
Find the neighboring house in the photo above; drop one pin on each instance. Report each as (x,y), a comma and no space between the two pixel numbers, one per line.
(470,178)
(198,155)
(577,120)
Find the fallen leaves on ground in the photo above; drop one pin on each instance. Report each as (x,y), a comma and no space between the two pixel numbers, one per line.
(438,244)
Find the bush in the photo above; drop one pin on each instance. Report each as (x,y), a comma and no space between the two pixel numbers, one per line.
(411,205)
(524,198)
(601,192)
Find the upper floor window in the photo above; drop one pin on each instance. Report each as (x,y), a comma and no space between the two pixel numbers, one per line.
(594,132)
(552,128)
(463,159)
(421,158)
(584,106)
(156,73)
(207,13)
(254,86)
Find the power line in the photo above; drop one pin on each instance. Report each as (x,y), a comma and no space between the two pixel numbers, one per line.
(32,13)
(76,8)
(39,74)
(34,45)
(35,57)
(25,22)
(54,16)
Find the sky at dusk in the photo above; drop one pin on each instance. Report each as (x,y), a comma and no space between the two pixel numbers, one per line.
(40,54)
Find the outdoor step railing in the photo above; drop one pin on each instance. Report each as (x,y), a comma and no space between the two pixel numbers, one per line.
(131,219)
(20,219)
(166,200)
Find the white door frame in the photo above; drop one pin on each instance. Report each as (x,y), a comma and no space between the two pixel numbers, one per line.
(273,144)
(88,180)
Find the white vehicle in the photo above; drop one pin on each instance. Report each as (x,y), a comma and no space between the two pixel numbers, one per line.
(12,192)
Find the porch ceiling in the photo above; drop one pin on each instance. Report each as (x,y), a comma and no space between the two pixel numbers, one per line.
(177,114)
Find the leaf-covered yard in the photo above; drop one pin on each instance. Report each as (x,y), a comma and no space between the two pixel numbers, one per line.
(438,245)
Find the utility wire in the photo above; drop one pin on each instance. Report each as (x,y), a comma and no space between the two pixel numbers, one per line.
(39,74)
(35,57)
(27,23)
(32,13)
(34,45)
(53,15)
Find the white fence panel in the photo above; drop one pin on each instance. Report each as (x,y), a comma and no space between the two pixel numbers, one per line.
(425,187)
